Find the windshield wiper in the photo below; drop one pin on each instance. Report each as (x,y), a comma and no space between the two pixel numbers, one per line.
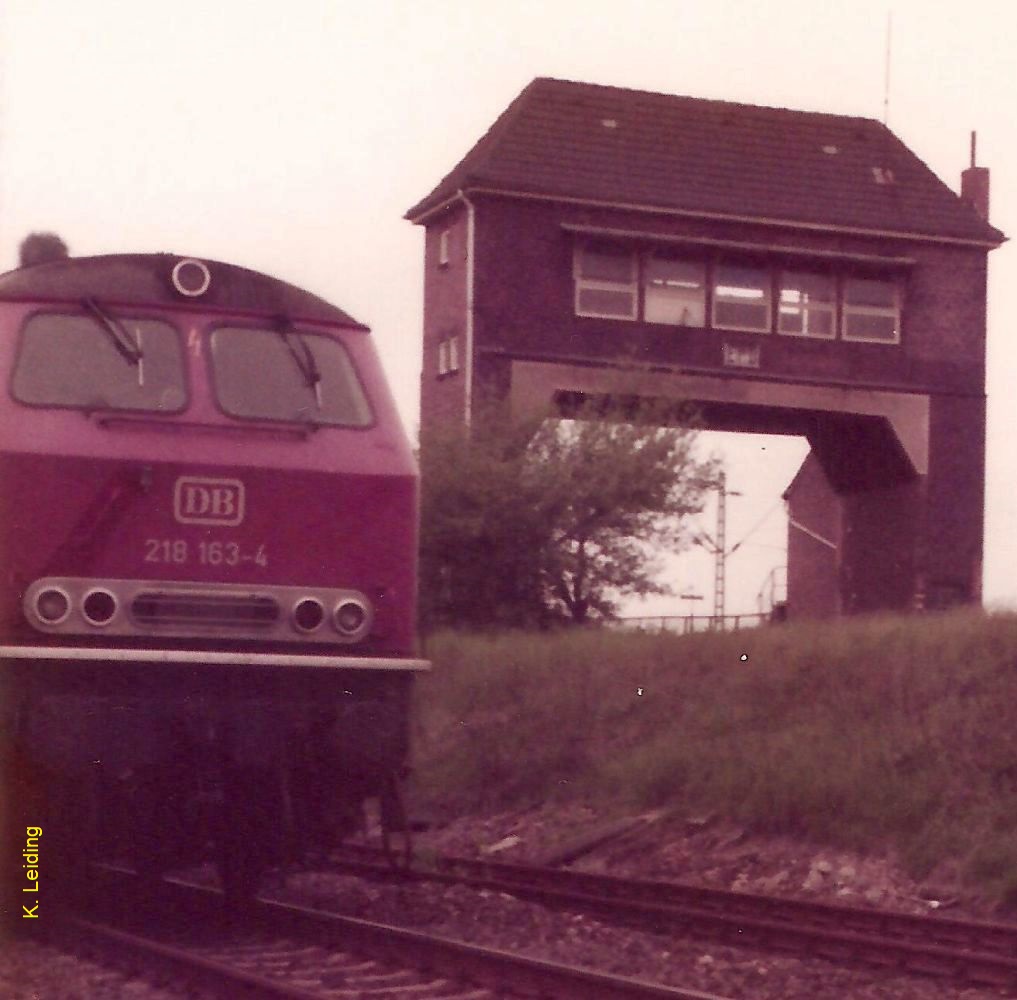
(124,343)
(303,358)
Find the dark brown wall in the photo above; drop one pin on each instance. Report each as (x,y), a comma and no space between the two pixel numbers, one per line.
(525,302)
(907,539)
(879,569)
(442,399)
(955,496)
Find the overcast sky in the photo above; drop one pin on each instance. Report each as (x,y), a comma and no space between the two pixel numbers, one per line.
(291,137)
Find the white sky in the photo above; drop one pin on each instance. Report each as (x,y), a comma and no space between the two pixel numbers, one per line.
(291,137)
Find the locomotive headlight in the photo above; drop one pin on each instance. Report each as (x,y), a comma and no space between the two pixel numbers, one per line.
(52,605)
(308,614)
(99,607)
(191,277)
(350,618)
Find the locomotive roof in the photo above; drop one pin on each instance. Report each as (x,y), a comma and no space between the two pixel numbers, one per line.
(146,279)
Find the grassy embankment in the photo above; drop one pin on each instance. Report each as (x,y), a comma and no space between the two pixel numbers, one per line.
(872,734)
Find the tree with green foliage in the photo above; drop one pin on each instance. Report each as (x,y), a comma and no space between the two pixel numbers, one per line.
(527,522)
(479,527)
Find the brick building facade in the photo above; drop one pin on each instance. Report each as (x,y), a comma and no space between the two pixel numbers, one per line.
(788,272)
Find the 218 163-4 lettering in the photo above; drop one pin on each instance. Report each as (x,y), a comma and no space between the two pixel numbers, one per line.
(205,552)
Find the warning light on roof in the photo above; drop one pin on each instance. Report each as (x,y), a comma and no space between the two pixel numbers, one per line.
(191,277)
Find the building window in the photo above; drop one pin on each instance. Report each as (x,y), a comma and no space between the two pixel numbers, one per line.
(808,304)
(871,311)
(448,356)
(605,281)
(674,290)
(443,241)
(741,298)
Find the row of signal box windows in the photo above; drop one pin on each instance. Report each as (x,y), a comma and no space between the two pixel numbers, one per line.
(664,286)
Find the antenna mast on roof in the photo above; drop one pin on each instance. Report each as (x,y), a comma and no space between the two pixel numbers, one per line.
(886,78)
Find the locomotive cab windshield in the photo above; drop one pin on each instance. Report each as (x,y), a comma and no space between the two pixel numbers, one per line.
(95,361)
(288,376)
(75,361)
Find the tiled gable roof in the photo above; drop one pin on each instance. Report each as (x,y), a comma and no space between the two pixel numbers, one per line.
(713,158)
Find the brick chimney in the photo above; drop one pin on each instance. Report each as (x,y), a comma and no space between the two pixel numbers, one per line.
(975,185)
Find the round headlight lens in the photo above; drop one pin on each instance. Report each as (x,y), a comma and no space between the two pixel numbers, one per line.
(350,618)
(191,277)
(308,614)
(52,606)
(99,607)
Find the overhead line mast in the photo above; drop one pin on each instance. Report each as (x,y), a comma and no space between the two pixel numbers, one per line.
(721,554)
(718,546)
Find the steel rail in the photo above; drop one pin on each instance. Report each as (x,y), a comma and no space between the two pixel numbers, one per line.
(977,951)
(504,974)
(179,963)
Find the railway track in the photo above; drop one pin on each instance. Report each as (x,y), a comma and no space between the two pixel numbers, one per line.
(978,952)
(275,950)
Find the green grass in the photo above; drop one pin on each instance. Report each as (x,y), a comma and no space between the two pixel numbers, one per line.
(882,733)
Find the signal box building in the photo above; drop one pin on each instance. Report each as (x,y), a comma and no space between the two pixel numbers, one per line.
(789,272)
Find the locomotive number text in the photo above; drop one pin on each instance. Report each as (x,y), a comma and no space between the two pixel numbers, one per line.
(178,550)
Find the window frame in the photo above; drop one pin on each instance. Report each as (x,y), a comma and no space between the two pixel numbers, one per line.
(185,366)
(831,307)
(646,286)
(599,284)
(448,356)
(767,271)
(326,334)
(847,309)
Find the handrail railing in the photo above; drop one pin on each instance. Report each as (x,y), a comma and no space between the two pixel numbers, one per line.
(687,624)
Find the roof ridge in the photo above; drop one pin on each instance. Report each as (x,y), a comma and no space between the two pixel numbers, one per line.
(739,105)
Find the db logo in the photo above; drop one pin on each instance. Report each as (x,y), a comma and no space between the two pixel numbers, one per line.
(200,500)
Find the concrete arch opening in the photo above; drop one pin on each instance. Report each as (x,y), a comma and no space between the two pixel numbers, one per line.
(886,478)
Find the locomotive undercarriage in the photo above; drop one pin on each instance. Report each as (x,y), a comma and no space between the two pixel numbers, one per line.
(166,767)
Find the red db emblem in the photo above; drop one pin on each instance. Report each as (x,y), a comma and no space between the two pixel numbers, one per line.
(201,500)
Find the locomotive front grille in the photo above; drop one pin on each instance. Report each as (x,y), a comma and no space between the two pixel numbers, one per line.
(205,610)
(268,612)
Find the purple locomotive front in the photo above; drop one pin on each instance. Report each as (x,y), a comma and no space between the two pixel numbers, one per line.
(208,515)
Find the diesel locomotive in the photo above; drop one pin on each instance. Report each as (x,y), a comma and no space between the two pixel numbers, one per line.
(208,516)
